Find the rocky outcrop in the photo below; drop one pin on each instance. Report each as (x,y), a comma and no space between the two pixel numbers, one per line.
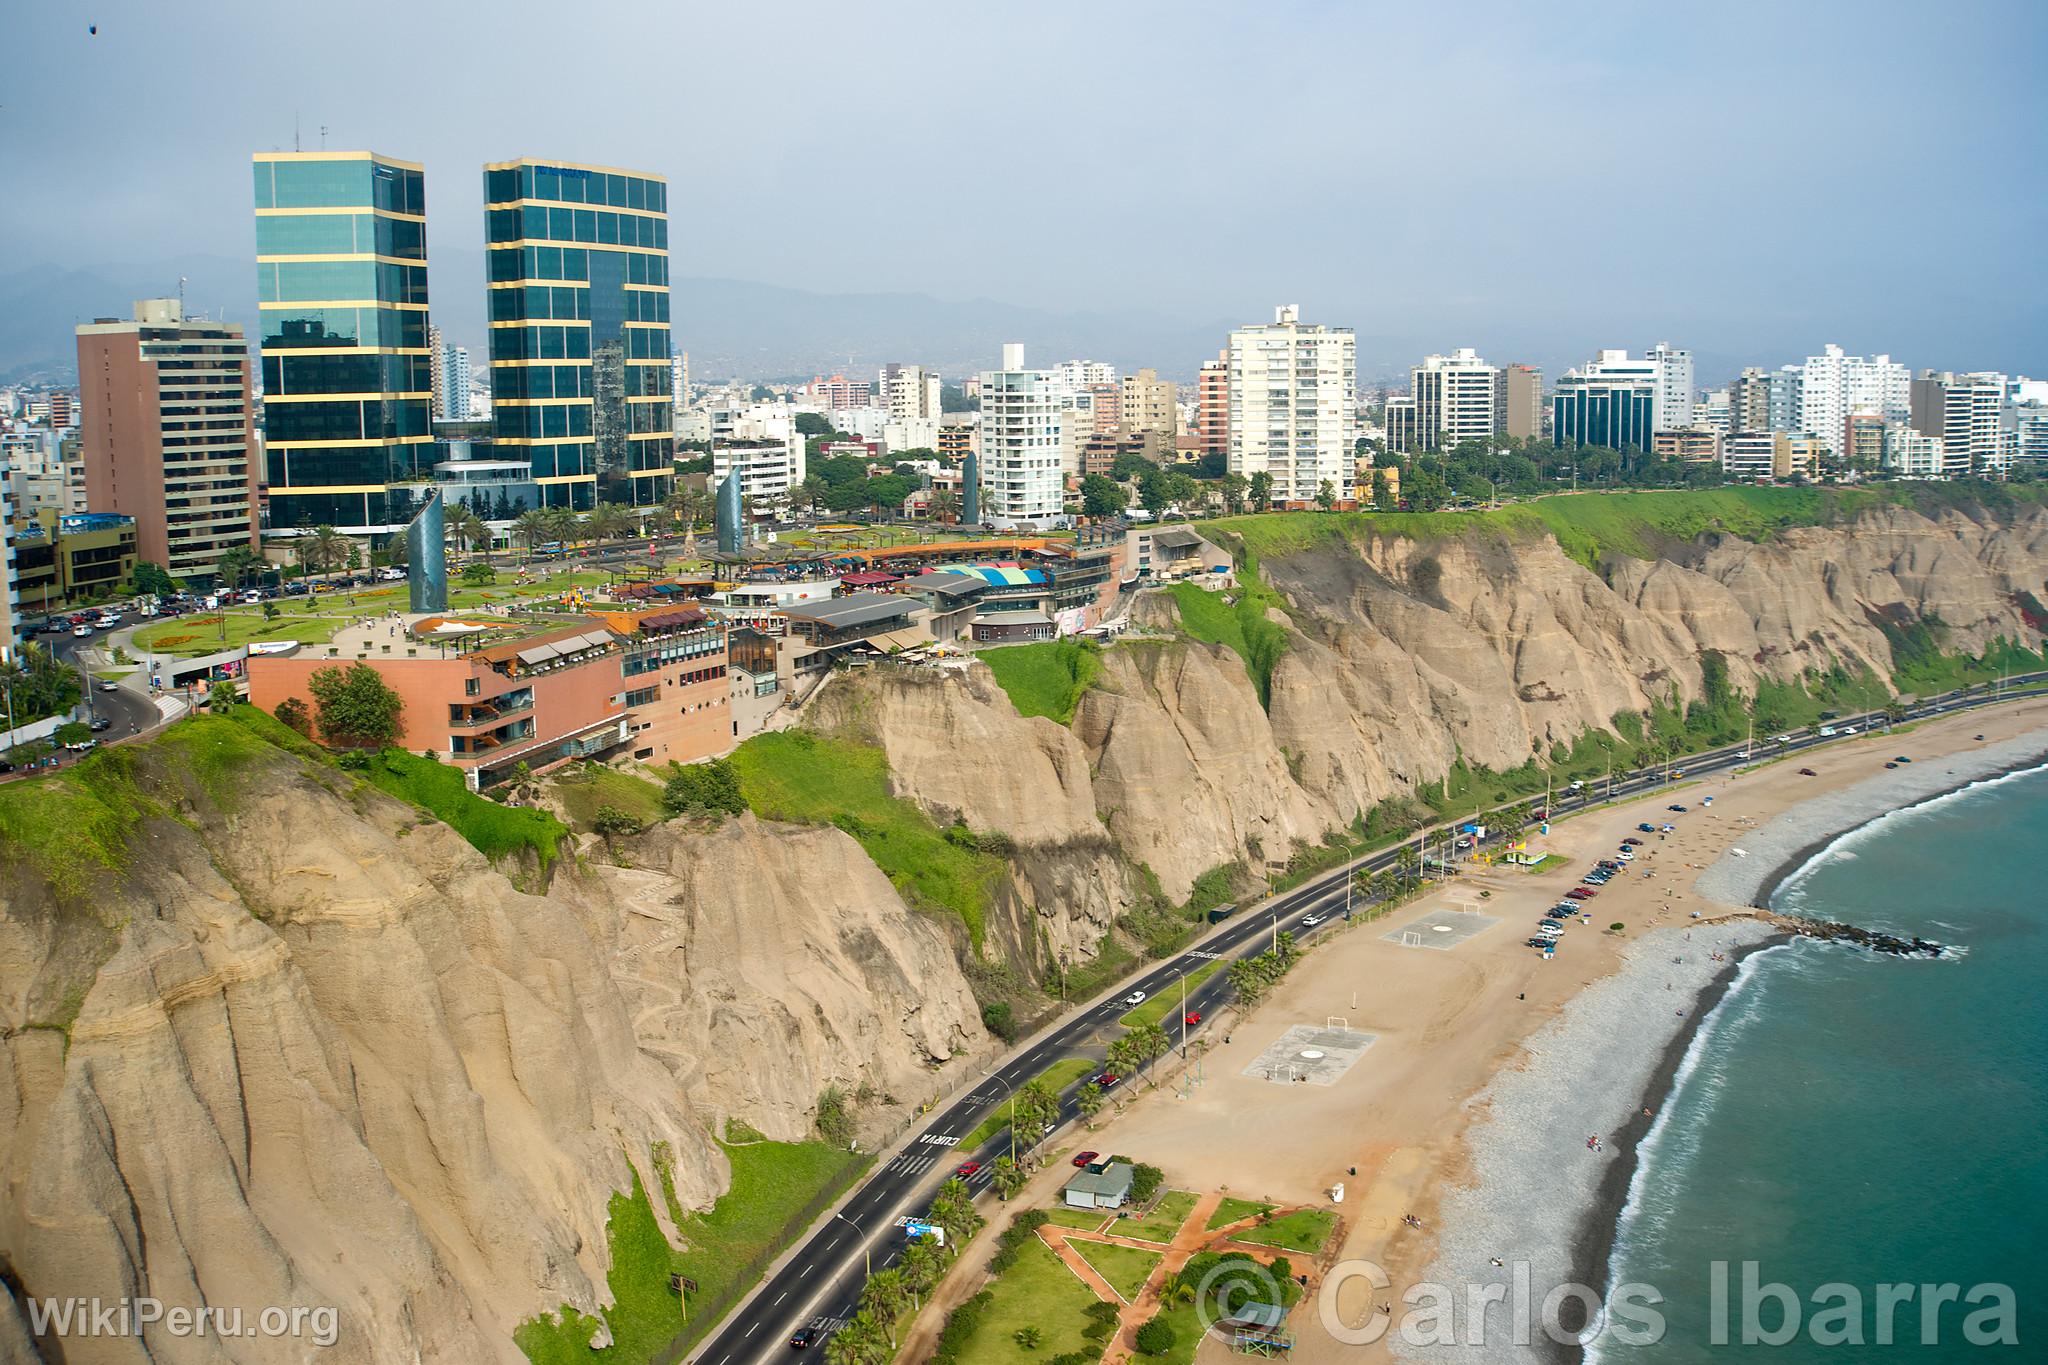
(959,750)
(299,1047)
(763,963)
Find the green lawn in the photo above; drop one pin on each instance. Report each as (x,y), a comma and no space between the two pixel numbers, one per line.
(585,789)
(1165,1219)
(1232,1209)
(438,788)
(1038,1292)
(1545,863)
(1303,1230)
(1126,1268)
(185,637)
(1167,1002)
(1059,1076)
(1087,1220)
(1045,679)
(799,776)
(774,1184)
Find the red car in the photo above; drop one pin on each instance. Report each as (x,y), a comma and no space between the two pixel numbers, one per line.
(1580,893)
(1631,842)
(1108,1080)
(967,1168)
(1083,1158)
(1191,1018)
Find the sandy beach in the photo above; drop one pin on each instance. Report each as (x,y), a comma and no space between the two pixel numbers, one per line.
(1489,1067)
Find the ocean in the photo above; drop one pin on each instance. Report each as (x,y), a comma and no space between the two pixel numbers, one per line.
(1846,1121)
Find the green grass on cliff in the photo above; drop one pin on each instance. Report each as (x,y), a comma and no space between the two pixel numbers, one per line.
(438,788)
(777,1189)
(1242,624)
(1045,679)
(811,779)
(1591,526)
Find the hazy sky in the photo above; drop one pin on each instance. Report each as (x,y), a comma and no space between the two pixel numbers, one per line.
(1751,179)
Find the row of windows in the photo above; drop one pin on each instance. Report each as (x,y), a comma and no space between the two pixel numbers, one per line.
(339,184)
(306,328)
(654,657)
(573,343)
(285,374)
(571,185)
(542,302)
(644,696)
(363,420)
(509,263)
(544,423)
(337,234)
(346,465)
(284,282)
(538,222)
(540,381)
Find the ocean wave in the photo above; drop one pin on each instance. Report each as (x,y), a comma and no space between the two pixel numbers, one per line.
(1846,841)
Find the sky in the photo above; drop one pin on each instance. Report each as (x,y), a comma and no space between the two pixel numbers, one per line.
(1536,180)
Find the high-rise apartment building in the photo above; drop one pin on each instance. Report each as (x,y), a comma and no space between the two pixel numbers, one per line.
(1021,478)
(1862,444)
(1711,411)
(1834,386)
(1075,375)
(1749,401)
(1149,404)
(839,392)
(910,392)
(1101,410)
(451,381)
(1212,406)
(1966,411)
(1674,385)
(1912,454)
(169,433)
(341,288)
(1293,405)
(1458,397)
(1611,402)
(581,386)
(1785,386)
(1521,394)
(1400,422)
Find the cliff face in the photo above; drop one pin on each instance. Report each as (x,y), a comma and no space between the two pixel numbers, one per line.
(323,1054)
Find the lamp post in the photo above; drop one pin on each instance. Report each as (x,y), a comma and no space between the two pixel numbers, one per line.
(867,1253)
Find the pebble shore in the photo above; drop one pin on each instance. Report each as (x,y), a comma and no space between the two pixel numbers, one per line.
(1534,1180)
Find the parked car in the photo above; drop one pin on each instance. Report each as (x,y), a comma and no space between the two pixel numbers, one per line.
(1647,828)
(82,632)
(1808,772)
(966,1169)
(1579,893)
(83,746)
(1679,809)
(1135,998)
(1891,765)
(1631,842)
(1083,1158)
(1902,759)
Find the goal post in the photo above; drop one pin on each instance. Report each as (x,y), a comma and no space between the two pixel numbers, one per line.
(1337,1021)
(1410,939)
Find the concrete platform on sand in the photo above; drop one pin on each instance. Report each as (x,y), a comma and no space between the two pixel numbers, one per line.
(1442,928)
(1306,1052)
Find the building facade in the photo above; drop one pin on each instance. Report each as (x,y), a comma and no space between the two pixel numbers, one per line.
(1674,385)
(911,393)
(1458,397)
(1912,454)
(80,557)
(1749,401)
(1834,386)
(581,385)
(1965,411)
(1521,393)
(1212,406)
(1150,405)
(169,435)
(341,276)
(1401,422)
(1293,405)
(1611,402)
(1021,475)
(1694,444)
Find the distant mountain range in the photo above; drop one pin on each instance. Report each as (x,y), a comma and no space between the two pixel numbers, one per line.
(729,327)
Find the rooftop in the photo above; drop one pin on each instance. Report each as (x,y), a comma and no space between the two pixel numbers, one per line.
(842,613)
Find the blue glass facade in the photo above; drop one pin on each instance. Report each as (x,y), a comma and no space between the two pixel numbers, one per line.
(1618,416)
(578,274)
(341,285)
(426,557)
(726,514)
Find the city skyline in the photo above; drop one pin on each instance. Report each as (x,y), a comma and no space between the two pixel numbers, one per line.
(1520,256)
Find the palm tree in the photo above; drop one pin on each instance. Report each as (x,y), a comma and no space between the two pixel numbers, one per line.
(1007,1178)
(530,529)
(953,1210)
(686,505)
(945,505)
(562,523)
(611,521)
(466,528)
(922,1264)
(237,565)
(885,1295)
(1036,1106)
(1089,1102)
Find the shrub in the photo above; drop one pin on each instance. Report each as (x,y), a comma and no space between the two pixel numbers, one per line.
(72,732)
(703,789)
(354,706)
(1156,1337)
(297,716)
(1013,1239)
(998,1018)
(961,1324)
(611,821)
(1145,1182)
(479,575)
(1029,1337)
(1616,927)
(835,1116)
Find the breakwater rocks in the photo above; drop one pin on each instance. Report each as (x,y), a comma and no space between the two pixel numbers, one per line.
(1876,941)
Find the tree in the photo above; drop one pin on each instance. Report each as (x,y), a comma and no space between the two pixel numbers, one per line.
(686,504)
(1102,496)
(953,1210)
(1037,1105)
(1089,1102)
(813,424)
(296,716)
(354,707)
(466,528)
(1000,1019)
(71,732)
(237,565)
(610,521)
(611,822)
(1261,491)
(1326,495)
(886,1296)
(922,1264)
(531,529)
(153,579)
(221,695)
(704,789)
(945,505)
(1234,486)
(324,550)
(1155,1338)
(1007,1177)
(1382,490)
(479,575)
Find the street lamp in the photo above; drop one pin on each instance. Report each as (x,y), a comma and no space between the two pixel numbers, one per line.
(867,1254)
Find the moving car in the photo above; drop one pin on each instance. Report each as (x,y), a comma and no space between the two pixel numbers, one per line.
(1891,765)
(100,723)
(1311,921)
(1464,842)
(804,1338)
(1083,1158)
(1901,758)
(1191,1018)
(966,1169)
(1135,998)
(109,685)
(1108,1080)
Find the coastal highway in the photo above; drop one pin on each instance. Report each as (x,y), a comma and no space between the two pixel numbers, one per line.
(819,1282)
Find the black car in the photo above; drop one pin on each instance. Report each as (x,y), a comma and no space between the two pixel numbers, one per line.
(805,1338)
(5,766)
(102,722)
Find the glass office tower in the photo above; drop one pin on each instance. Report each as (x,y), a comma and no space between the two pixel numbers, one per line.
(579,329)
(341,284)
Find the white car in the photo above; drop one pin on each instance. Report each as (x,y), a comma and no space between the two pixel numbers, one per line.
(1624,856)
(1311,921)
(1135,998)
(82,632)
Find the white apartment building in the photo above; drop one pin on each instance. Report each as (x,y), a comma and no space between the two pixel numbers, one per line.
(1912,454)
(1075,376)
(763,446)
(2030,432)
(1673,404)
(1458,397)
(1712,411)
(1833,386)
(453,394)
(1021,475)
(909,392)
(1968,413)
(910,433)
(1293,404)
(1768,454)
